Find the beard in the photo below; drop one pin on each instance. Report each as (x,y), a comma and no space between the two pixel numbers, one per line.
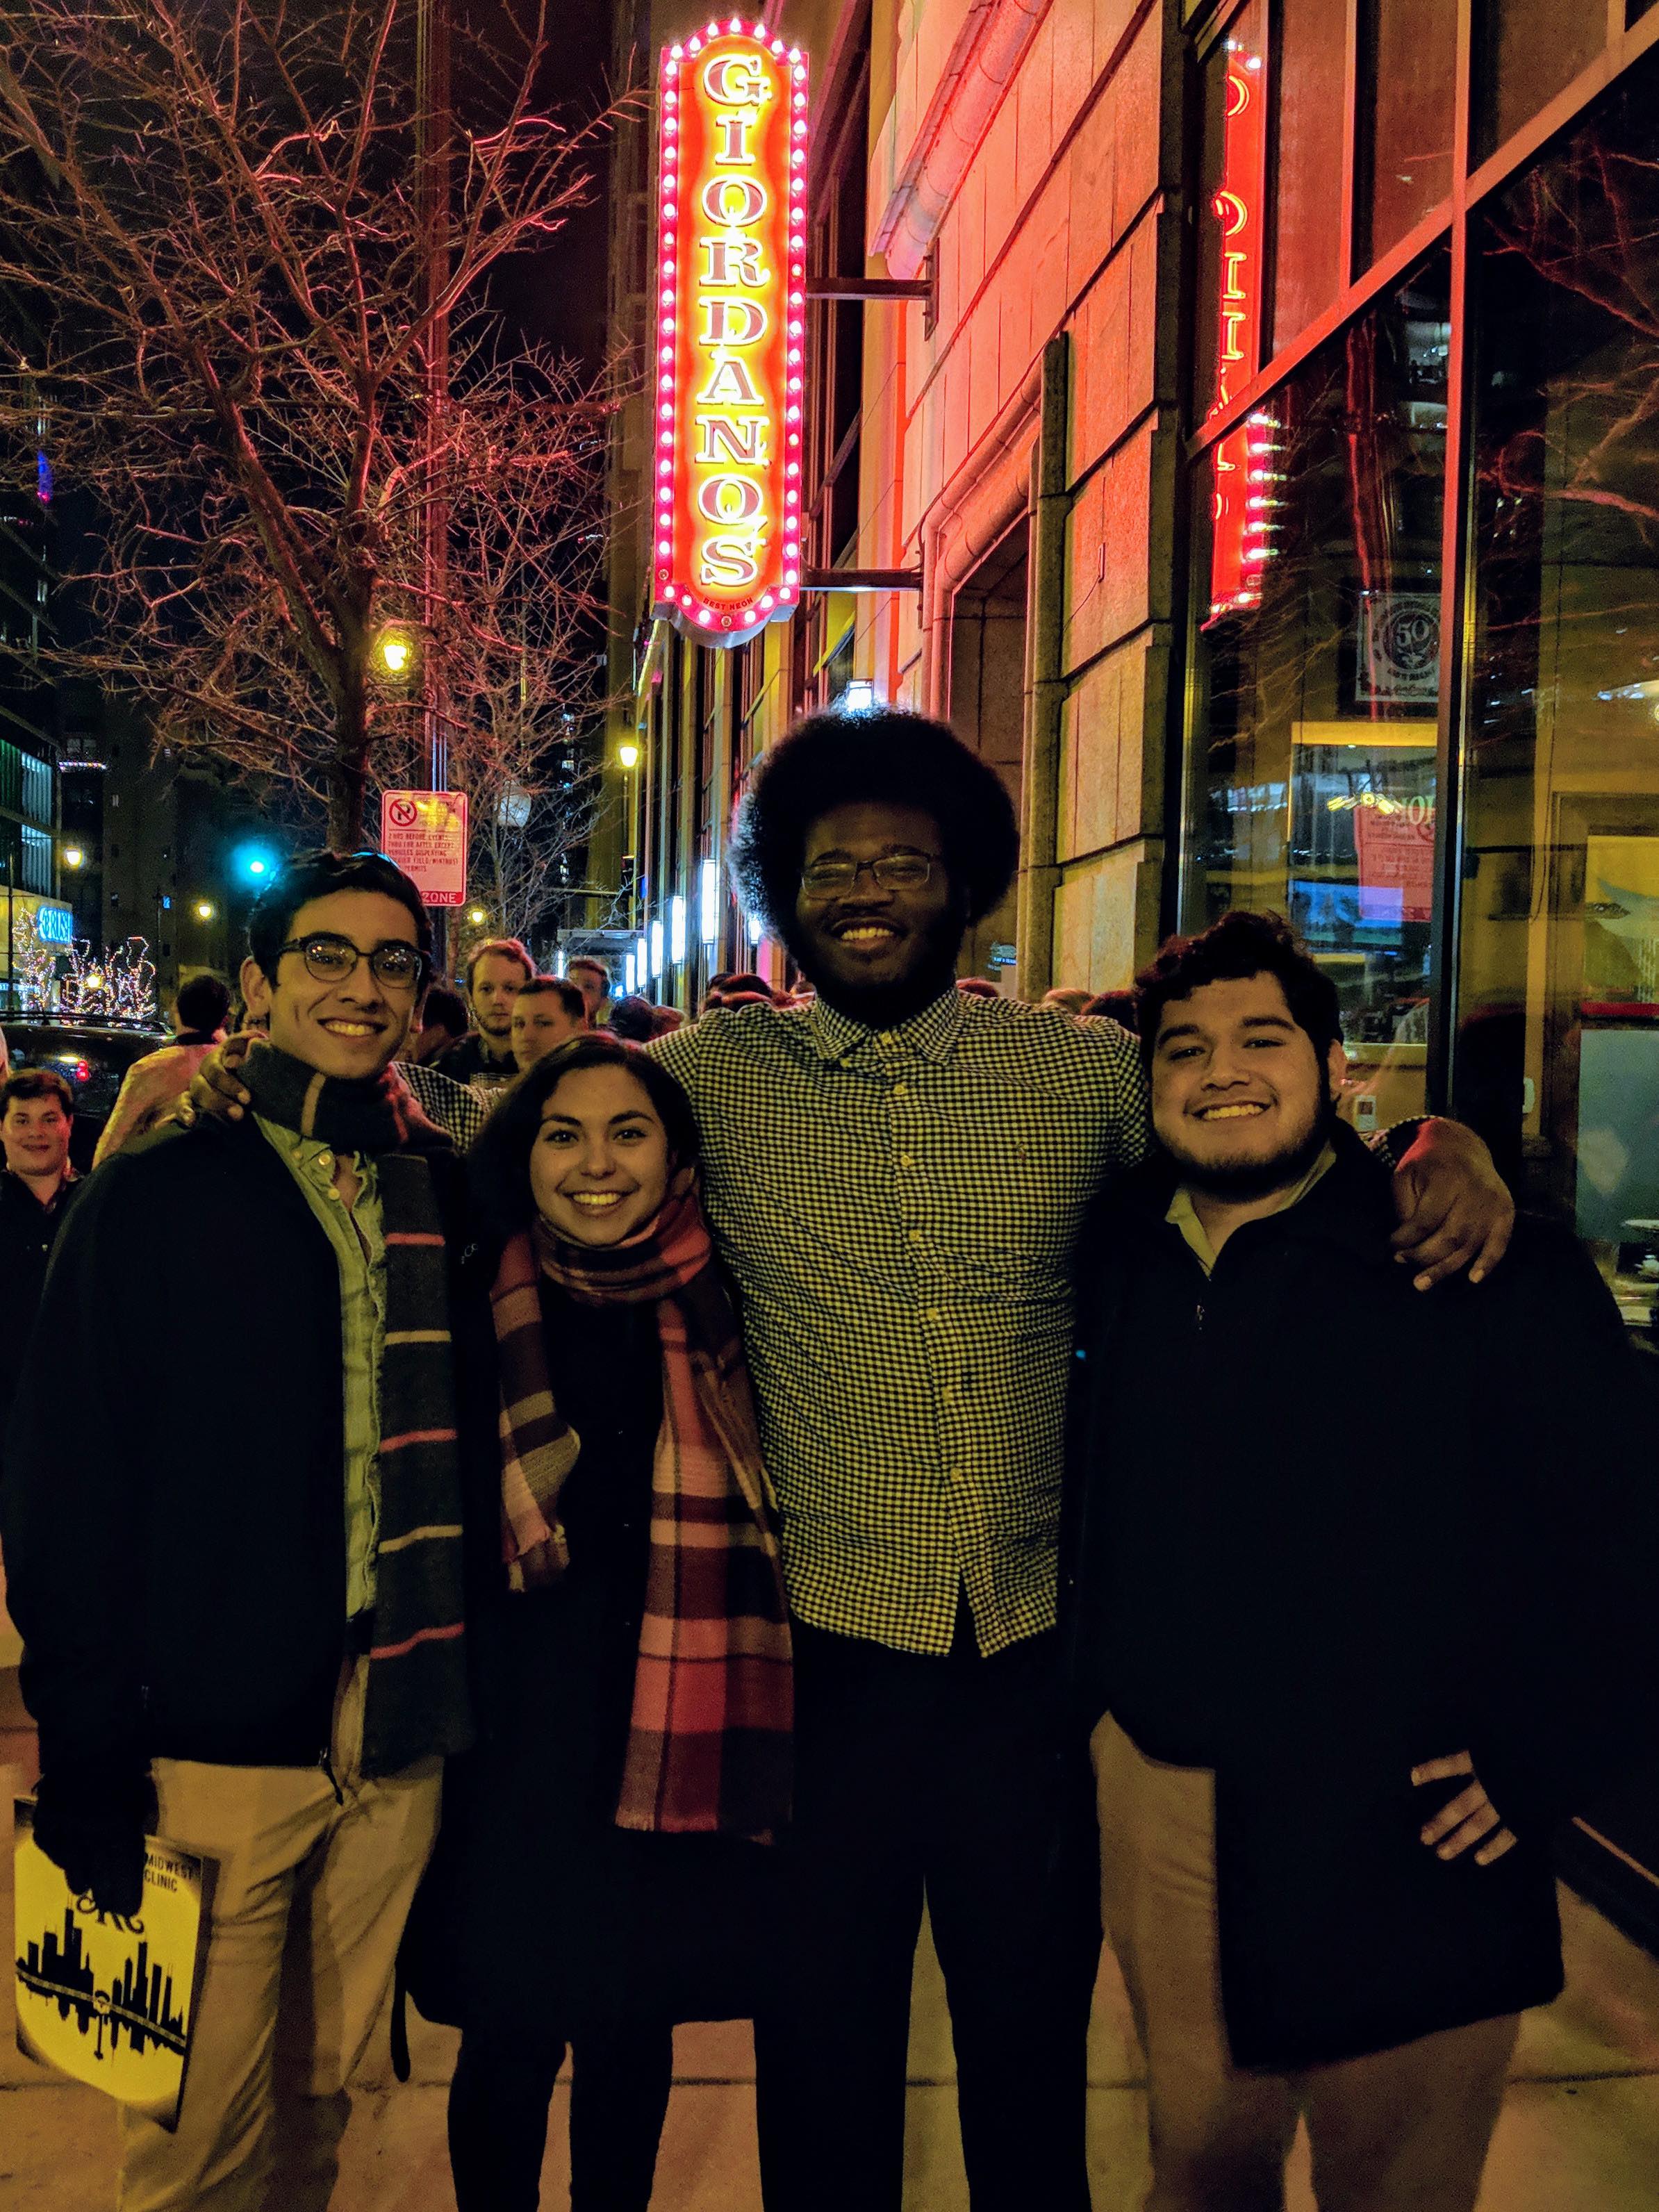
(932,972)
(1245,1177)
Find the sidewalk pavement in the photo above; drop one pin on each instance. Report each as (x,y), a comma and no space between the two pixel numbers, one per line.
(1579,2133)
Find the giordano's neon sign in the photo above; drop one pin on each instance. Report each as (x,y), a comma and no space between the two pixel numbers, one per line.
(730,332)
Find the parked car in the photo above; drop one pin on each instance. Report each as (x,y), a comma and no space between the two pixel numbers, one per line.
(93,1055)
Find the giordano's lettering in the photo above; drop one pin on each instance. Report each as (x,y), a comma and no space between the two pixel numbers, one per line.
(731,342)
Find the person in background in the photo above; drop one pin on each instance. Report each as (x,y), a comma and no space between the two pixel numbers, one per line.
(664,1020)
(37,1115)
(634,1766)
(547,1011)
(443,1023)
(496,971)
(1339,1694)
(630,1019)
(741,989)
(267,1667)
(1119,1007)
(1070,998)
(592,979)
(152,1086)
(5,1058)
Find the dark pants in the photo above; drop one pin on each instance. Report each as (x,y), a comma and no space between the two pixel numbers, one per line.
(943,1778)
(498,2104)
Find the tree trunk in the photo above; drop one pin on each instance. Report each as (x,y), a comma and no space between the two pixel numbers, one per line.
(347,777)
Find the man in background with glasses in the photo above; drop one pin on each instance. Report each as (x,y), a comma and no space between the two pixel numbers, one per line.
(261,1658)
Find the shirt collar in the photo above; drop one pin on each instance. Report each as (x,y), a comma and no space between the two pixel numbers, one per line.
(1183,1214)
(930,1034)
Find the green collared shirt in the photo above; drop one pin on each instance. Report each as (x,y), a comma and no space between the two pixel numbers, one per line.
(1183,1214)
(357,1234)
(899,1208)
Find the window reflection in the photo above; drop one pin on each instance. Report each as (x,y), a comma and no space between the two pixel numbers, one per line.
(1558,1049)
(1314,769)
(1527,52)
(1309,63)
(1408,88)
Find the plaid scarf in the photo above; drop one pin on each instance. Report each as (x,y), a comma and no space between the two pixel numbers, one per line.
(416,1703)
(708,1745)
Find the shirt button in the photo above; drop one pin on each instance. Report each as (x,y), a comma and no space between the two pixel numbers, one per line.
(901,1090)
(931,1314)
(955,1475)
(949,1394)
(906,1162)
(916,1237)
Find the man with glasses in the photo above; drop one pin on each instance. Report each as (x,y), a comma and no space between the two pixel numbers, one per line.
(896,1177)
(260,1657)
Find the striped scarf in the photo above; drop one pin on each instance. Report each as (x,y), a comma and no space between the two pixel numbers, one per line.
(708,1745)
(416,1703)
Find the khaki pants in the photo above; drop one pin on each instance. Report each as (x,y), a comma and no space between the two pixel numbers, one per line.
(308,1907)
(1403,2130)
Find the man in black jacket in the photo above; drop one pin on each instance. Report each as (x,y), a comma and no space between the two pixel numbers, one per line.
(37,1189)
(1357,1592)
(265,1647)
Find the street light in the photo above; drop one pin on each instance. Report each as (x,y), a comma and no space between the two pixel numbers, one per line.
(204,910)
(255,861)
(73,856)
(476,916)
(628,753)
(397,653)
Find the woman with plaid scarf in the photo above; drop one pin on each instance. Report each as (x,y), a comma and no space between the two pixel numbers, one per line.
(603,1870)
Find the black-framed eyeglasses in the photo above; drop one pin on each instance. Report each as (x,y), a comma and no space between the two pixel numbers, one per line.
(332,959)
(894,872)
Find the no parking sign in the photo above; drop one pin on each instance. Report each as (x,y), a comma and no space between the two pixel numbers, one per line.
(425,833)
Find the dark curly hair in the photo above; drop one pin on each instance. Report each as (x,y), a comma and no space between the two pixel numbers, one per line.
(1238,946)
(498,1165)
(317,875)
(895,758)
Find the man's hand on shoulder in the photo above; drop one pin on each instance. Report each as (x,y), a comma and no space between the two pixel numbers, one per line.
(1455,1209)
(216,1088)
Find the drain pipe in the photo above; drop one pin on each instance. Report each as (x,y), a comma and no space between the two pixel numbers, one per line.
(1045,694)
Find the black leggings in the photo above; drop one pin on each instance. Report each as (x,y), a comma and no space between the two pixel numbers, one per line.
(498,2105)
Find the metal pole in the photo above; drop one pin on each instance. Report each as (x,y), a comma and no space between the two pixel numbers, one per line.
(436,127)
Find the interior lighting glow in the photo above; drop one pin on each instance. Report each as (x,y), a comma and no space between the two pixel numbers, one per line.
(732,202)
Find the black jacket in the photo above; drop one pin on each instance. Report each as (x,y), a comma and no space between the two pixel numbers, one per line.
(180,1588)
(27,1233)
(1353,1527)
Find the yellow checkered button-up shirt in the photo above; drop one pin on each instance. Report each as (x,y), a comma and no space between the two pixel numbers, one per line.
(899,1211)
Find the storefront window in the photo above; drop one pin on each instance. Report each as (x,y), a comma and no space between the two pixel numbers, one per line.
(1233,261)
(1527,52)
(1317,665)
(1557,1045)
(1309,63)
(1409,77)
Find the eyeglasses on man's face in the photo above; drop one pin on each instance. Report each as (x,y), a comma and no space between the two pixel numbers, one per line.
(332,959)
(893,871)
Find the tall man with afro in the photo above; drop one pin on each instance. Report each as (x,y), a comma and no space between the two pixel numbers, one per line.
(897,1177)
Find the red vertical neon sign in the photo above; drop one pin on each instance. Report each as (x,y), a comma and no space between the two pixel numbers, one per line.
(1239,540)
(730,332)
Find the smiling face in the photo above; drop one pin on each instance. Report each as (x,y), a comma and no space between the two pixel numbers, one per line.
(497,980)
(877,954)
(1240,1101)
(600,1163)
(350,1028)
(36,1136)
(539,1022)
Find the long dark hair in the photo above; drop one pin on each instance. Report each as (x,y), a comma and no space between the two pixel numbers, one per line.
(498,1166)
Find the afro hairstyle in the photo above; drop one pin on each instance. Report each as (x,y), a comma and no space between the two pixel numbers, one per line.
(890,757)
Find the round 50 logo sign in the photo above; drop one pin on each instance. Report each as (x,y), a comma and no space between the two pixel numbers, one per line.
(730,332)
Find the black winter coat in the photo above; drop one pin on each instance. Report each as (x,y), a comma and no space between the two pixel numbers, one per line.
(27,1232)
(180,1588)
(1393,1526)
